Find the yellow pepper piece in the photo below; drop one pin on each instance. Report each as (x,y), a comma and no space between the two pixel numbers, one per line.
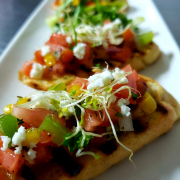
(77,89)
(76,2)
(22,101)
(49,60)
(32,135)
(8,108)
(147,104)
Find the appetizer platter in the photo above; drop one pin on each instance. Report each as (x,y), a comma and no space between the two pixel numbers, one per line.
(31,37)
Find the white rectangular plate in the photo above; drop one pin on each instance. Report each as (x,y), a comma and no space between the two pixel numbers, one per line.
(158,160)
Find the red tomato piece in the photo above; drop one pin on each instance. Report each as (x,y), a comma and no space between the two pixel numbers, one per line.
(34,117)
(45,137)
(80,81)
(108,21)
(5,175)
(10,161)
(67,56)
(39,58)
(121,94)
(58,39)
(92,119)
(27,67)
(128,35)
(59,68)
(43,153)
(124,55)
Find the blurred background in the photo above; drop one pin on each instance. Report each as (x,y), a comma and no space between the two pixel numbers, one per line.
(13,13)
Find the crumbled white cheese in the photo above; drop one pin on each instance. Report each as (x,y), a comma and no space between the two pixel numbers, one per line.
(6,140)
(114,32)
(37,70)
(45,50)
(18,138)
(31,153)
(122,102)
(79,50)
(68,39)
(70,110)
(99,80)
(125,110)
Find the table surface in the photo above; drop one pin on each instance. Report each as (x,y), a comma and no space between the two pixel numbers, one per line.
(14,12)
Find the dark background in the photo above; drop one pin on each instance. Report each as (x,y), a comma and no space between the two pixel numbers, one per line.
(14,12)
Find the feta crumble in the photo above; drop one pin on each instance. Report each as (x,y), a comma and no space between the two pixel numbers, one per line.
(68,40)
(79,50)
(18,138)
(31,153)
(37,70)
(45,50)
(99,80)
(6,140)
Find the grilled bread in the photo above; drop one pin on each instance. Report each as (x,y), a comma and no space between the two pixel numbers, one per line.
(138,62)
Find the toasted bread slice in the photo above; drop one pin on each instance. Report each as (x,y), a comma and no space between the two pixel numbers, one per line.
(152,126)
(137,62)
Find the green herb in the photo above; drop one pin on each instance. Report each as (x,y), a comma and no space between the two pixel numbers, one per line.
(56,54)
(134,96)
(98,66)
(78,111)
(73,92)
(118,114)
(75,142)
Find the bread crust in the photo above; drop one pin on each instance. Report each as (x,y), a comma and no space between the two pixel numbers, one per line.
(138,62)
(158,122)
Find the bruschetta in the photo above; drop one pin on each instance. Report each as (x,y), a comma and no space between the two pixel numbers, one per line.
(80,130)
(81,43)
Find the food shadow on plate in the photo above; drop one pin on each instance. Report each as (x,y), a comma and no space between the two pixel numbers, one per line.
(159,67)
(158,160)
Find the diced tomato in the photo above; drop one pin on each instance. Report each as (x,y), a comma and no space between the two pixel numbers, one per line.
(67,56)
(112,111)
(27,67)
(4,175)
(45,137)
(132,78)
(43,153)
(58,39)
(39,58)
(10,161)
(141,87)
(80,81)
(128,35)
(132,82)
(108,21)
(57,3)
(90,3)
(87,61)
(34,117)
(121,94)
(124,55)
(92,119)
(59,68)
